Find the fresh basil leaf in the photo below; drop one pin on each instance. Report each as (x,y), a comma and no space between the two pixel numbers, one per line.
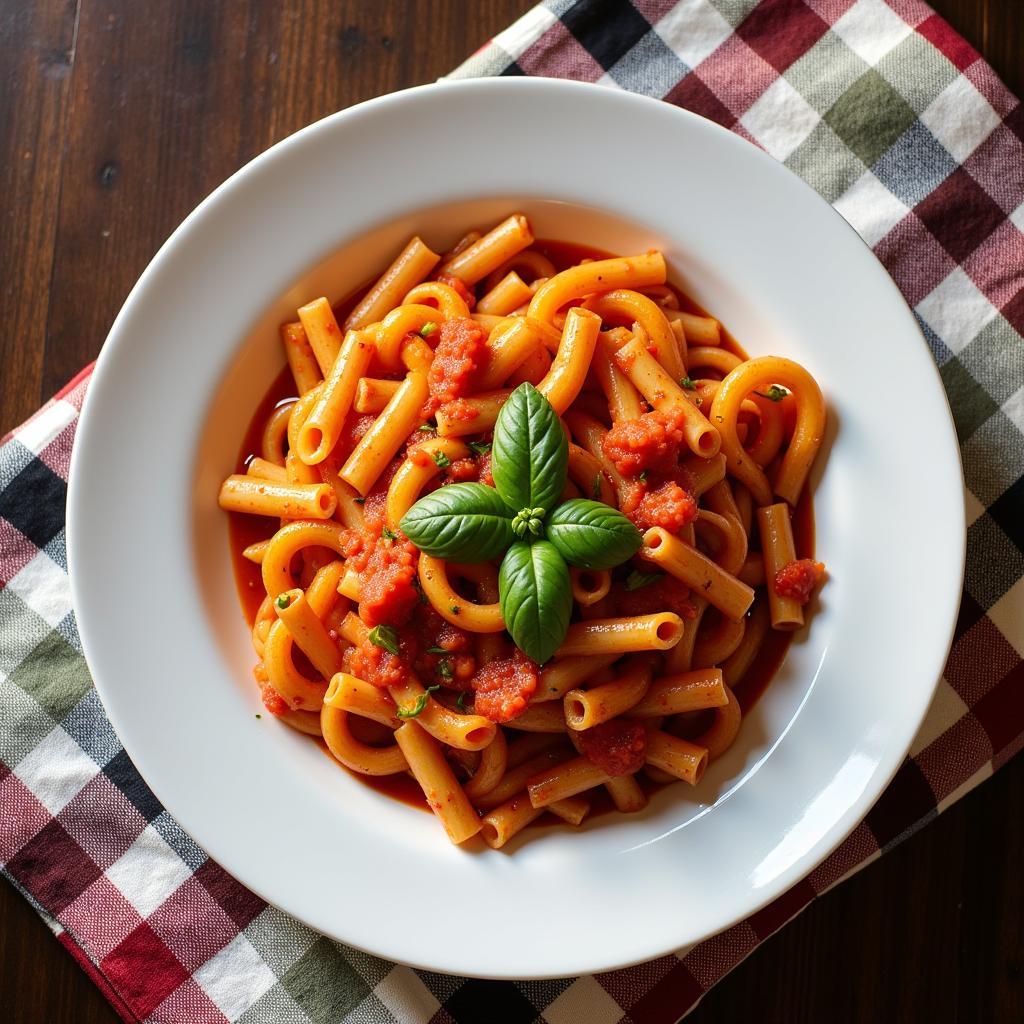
(386,637)
(637,580)
(530,452)
(592,535)
(461,522)
(536,597)
(421,702)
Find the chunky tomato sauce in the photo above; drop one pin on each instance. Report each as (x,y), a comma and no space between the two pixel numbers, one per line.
(645,450)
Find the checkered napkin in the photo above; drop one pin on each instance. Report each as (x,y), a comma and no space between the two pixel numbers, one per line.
(897,122)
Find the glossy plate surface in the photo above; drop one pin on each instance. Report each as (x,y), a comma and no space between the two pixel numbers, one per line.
(196,346)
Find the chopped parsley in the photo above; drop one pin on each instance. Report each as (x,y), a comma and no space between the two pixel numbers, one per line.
(460,703)
(359,501)
(636,580)
(444,669)
(283,601)
(687,384)
(480,447)
(388,534)
(454,609)
(441,460)
(643,477)
(421,703)
(595,488)
(428,329)
(774,393)
(438,650)
(259,716)
(386,637)
(429,425)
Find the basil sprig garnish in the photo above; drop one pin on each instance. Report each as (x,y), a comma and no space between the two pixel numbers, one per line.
(523,518)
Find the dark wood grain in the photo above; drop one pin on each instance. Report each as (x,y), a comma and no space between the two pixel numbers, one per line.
(116,118)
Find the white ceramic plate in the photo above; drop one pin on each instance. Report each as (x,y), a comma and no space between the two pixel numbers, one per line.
(196,345)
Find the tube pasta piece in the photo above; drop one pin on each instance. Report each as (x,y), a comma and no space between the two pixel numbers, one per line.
(322,428)
(510,344)
(686,691)
(419,467)
(488,321)
(703,473)
(446,300)
(270,498)
(700,330)
(260,469)
(711,357)
(497,827)
(568,372)
(299,691)
(623,398)
(492,766)
(601,275)
(680,657)
(808,432)
(275,432)
(308,632)
(633,307)
(467,732)
(297,472)
(412,265)
(474,618)
(735,667)
(684,760)
(353,630)
(565,780)
(544,717)
(590,433)
(378,445)
(717,638)
(306,722)
(533,368)
(560,676)
(517,773)
(391,332)
(587,472)
(698,572)
(752,570)
(322,331)
(528,264)
(590,585)
(508,294)
(719,499)
(778,548)
(626,794)
(255,552)
(374,393)
(721,734)
(301,359)
(571,809)
(349,511)
(488,253)
(771,431)
(289,541)
(731,549)
(353,754)
(349,693)
(586,708)
(444,795)
(651,380)
(623,635)
(474,415)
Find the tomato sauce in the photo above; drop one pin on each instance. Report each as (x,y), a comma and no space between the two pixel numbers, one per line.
(244,530)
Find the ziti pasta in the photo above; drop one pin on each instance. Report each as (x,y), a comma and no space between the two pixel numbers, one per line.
(522,529)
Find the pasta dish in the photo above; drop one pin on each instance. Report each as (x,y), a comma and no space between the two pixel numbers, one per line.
(522,530)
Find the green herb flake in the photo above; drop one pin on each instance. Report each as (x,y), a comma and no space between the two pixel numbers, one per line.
(259,716)
(445,669)
(688,384)
(643,477)
(637,580)
(429,425)
(461,702)
(480,447)
(595,488)
(438,650)
(454,609)
(428,329)
(359,501)
(386,637)
(441,460)
(421,703)
(283,601)
(388,534)
(773,394)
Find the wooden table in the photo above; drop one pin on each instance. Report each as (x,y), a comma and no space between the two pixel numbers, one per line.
(117,118)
